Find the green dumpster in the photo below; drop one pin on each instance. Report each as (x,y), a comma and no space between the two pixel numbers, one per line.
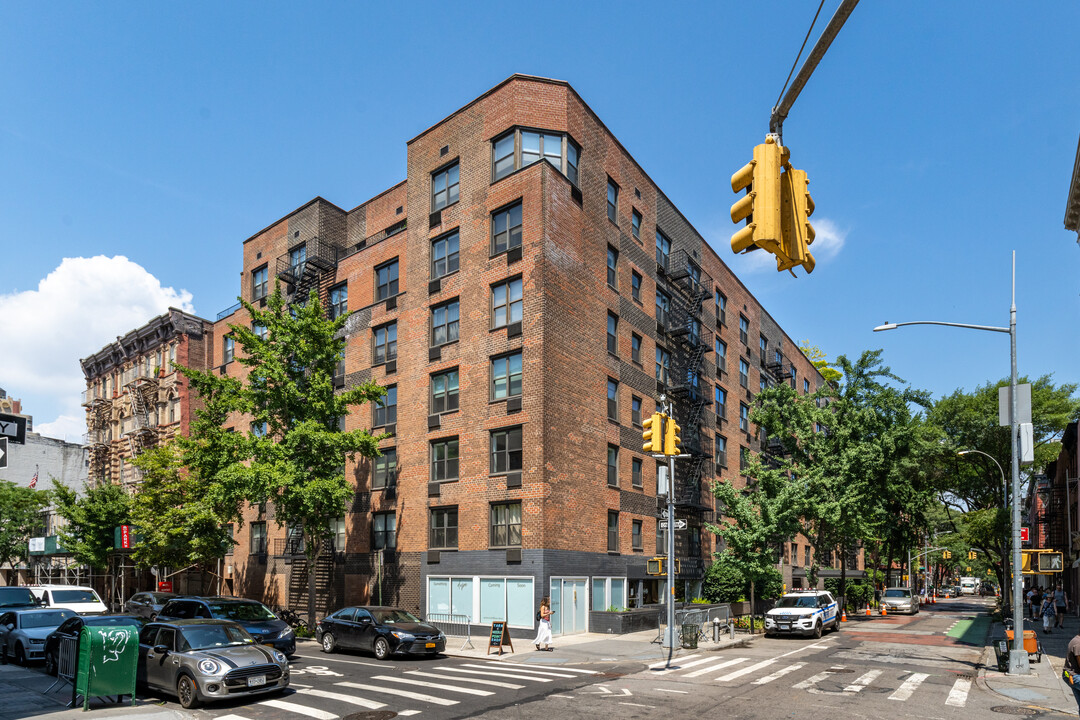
(108,662)
(690,635)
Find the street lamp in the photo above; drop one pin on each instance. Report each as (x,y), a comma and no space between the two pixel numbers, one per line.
(1018,659)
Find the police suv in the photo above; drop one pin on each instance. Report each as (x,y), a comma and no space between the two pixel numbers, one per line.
(806,612)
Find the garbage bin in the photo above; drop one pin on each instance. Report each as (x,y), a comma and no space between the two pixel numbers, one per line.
(689,635)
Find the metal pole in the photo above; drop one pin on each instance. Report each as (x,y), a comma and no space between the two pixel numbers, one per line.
(671,548)
(1018,659)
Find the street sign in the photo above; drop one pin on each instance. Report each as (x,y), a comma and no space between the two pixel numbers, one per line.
(13,427)
(3,453)
(679,524)
(663,513)
(1023,404)
(1023,534)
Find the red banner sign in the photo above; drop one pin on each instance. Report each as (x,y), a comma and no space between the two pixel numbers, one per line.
(1023,534)
(165,586)
(125,537)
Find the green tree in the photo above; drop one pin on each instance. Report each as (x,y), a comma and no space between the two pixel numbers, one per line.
(92,519)
(820,360)
(20,518)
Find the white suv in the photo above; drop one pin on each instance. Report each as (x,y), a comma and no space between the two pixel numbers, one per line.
(807,612)
(79,598)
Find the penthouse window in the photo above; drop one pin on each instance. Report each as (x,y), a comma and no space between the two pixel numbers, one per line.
(444,255)
(386,280)
(506,303)
(259,283)
(444,324)
(506,229)
(519,148)
(444,187)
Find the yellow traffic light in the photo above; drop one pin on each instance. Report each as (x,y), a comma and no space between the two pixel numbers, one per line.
(972,555)
(760,208)
(671,438)
(946,555)
(796,231)
(654,434)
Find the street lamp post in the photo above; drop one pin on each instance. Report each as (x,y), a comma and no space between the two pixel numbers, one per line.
(1005,502)
(1018,659)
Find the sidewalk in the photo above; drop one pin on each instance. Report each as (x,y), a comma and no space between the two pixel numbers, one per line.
(1044,687)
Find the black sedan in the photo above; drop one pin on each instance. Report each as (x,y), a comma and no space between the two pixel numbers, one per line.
(384,631)
(71,628)
(147,604)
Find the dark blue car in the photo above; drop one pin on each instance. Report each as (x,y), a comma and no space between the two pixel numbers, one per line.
(256,618)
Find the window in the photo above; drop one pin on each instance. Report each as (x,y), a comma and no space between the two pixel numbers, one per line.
(695,275)
(259,330)
(384,531)
(635,224)
(444,392)
(386,281)
(231,530)
(721,452)
(635,472)
(805,386)
(744,373)
(506,303)
(260,280)
(444,187)
(778,357)
(444,525)
(693,541)
(385,344)
(506,376)
(635,286)
(663,365)
(721,354)
(258,538)
(339,301)
(612,201)
(505,450)
(635,348)
(612,400)
(794,553)
(613,531)
(613,465)
(536,145)
(503,156)
(506,229)
(338,534)
(663,249)
(385,412)
(444,460)
(506,524)
(444,255)
(384,470)
(695,331)
(763,346)
(721,307)
(744,330)
(571,162)
(744,458)
(444,324)
(720,400)
(228,349)
(297,260)
(744,417)
(612,264)
(806,556)
(635,535)
(663,308)
(258,429)
(762,383)
(521,148)
(635,410)
(612,334)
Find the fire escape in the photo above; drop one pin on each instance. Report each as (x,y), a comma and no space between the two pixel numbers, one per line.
(775,370)
(303,267)
(1050,514)
(142,390)
(96,439)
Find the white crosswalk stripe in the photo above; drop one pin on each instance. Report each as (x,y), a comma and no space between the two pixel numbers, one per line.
(779,673)
(299,709)
(563,668)
(341,697)
(745,671)
(433,686)
(867,678)
(714,668)
(815,679)
(687,665)
(399,692)
(909,686)
(499,674)
(518,669)
(958,694)
(662,663)
(474,681)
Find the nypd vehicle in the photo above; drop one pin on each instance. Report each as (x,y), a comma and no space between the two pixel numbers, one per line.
(808,612)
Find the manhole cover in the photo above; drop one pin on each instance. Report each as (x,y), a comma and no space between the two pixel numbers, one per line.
(839,671)
(1013,710)
(371,715)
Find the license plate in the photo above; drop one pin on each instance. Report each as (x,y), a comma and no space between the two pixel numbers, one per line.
(256,681)
(430,645)
(785,627)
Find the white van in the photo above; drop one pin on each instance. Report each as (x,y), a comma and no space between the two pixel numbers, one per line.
(969,585)
(79,598)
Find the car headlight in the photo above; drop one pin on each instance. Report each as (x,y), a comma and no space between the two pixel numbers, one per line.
(279,657)
(287,632)
(209,667)
(403,636)
(442,638)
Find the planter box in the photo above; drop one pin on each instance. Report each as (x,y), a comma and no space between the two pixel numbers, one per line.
(620,623)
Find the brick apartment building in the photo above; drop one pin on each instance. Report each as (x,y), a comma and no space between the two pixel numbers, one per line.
(525,295)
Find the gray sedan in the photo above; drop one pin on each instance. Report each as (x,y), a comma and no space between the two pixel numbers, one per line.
(23,632)
(900,600)
(205,659)
(147,605)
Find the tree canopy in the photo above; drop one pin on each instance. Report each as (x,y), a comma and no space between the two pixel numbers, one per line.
(20,517)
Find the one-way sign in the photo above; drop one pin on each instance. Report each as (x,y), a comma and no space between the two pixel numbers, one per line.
(3,453)
(679,524)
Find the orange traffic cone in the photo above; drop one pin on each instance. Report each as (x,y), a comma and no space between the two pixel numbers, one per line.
(867,609)
(843,615)
(883,612)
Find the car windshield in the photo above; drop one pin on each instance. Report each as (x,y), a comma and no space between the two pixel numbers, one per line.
(75,596)
(898,592)
(797,602)
(242,612)
(16,597)
(50,618)
(389,617)
(203,637)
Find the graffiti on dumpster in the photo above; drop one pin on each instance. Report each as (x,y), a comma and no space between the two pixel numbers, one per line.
(114,644)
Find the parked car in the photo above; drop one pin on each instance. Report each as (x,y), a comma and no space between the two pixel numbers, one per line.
(384,631)
(806,612)
(947,592)
(257,619)
(900,599)
(73,626)
(23,632)
(205,659)
(147,604)
(83,600)
(17,598)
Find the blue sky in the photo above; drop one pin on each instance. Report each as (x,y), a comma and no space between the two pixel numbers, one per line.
(140,144)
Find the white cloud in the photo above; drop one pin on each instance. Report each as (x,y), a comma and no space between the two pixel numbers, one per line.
(828,242)
(75,311)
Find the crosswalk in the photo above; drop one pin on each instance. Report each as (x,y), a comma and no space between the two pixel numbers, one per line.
(413,691)
(720,669)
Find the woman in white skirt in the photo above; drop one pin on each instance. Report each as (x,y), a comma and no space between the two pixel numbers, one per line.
(543,632)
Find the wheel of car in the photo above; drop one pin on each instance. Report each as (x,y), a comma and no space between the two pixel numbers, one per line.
(836,625)
(186,692)
(817,630)
(382,648)
(328,643)
(50,663)
(20,654)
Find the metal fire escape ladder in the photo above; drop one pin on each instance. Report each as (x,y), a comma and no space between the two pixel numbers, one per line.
(321,257)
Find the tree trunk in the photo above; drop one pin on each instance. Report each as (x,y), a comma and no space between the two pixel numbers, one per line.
(751,607)
(313,548)
(888,564)
(843,577)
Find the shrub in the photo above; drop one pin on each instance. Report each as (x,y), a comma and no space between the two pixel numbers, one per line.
(724,583)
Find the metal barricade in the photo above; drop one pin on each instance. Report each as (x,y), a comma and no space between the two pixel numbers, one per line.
(683,617)
(453,625)
(722,615)
(67,662)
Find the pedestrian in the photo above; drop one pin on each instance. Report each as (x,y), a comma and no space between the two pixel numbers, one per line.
(1061,604)
(1047,612)
(1072,664)
(1030,597)
(1036,604)
(543,631)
